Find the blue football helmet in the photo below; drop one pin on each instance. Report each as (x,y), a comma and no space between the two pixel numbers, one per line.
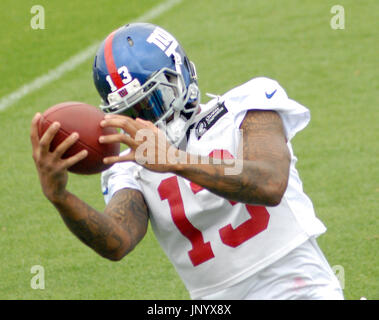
(140,70)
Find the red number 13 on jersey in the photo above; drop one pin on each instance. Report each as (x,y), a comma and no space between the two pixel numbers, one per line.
(202,251)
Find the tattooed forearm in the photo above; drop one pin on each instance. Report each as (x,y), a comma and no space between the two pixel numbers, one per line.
(265,164)
(245,187)
(113,233)
(129,210)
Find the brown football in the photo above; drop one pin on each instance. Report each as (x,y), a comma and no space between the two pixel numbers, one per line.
(85,120)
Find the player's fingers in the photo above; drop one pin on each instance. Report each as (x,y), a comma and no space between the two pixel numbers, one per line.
(146,124)
(66,163)
(122,122)
(114,159)
(120,137)
(34,139)
(48,136)
(66,144)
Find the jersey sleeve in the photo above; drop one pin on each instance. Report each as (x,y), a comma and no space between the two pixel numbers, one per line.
(119,176)
(267,94)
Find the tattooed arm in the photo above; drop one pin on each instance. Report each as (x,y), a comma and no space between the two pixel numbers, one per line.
(113,233)
(265,163)
(265,167)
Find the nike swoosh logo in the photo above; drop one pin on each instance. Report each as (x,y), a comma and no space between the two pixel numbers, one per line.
(269,96)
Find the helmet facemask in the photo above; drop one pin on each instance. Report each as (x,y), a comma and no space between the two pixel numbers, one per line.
(162,99)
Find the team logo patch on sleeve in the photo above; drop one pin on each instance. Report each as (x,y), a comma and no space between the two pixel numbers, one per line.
(209,120)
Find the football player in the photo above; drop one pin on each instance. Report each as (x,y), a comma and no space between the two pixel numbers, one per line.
(217,181)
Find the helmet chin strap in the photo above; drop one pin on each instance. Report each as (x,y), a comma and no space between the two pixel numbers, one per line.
(175,129)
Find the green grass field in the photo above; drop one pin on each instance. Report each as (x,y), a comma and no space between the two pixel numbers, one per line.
(332,72)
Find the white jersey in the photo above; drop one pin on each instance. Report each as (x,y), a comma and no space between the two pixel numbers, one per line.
(212,242)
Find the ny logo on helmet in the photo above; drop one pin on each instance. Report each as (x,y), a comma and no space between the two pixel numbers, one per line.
(165,41)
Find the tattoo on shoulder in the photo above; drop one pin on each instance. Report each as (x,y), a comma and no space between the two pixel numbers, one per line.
(262,120)
(264,136)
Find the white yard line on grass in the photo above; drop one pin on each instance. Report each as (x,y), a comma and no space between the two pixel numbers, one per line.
(74,61)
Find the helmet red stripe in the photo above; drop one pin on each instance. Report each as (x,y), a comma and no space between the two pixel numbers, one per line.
(111,66)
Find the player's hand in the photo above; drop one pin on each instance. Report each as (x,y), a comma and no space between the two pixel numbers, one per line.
(52,170)
(149,145)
